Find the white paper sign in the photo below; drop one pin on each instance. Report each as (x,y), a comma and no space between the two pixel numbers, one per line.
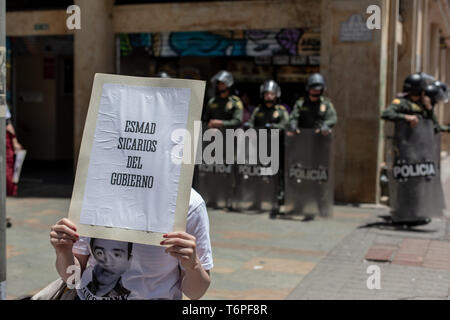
(127,186)
(131,178)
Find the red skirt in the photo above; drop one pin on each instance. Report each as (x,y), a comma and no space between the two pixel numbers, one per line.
(11,187)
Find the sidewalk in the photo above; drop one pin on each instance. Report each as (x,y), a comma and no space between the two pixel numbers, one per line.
(413,264)
(254,257)
(259,258)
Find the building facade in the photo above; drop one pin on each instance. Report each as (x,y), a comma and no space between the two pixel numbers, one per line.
(51,68)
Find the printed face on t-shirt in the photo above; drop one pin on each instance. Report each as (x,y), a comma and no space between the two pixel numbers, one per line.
(113,259)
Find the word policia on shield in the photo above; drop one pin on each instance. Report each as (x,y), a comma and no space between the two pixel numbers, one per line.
(127,186)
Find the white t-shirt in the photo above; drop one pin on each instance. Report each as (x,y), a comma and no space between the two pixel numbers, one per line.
(125,271)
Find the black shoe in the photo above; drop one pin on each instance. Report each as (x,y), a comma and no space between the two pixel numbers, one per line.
(386,218)
(8,223)
(413,223)
(308,217)
(273,214)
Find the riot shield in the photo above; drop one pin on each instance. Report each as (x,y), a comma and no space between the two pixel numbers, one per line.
(438,183)
(414,175)
(309,174)
(214,182)
(257,186)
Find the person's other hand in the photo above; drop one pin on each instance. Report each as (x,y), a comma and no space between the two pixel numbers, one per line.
(215,123)
(427,102)
(63,235)
(182,246)
(324,130)
(293,133)
(16,145)
(412,119)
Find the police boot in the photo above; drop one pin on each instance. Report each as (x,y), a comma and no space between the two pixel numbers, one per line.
(273,214)
(413,223)
(308,217)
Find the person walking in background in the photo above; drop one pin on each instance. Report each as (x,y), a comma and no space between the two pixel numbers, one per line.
(12,146)
(248,107)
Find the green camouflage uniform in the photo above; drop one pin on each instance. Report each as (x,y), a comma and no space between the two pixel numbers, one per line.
(277,116)
(313,115)
(230,110)
(404,106)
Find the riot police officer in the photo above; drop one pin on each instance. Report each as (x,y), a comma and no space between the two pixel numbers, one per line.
(435,93)
(225,110)
(445,97)
(411,106)
(269,114)
(314,111)
(272,115)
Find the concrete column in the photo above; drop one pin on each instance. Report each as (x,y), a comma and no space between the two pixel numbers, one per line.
(407,50)
(391,87)
(426,67)
(434,50)
(445,76)
(94,52)
(419,35)
(356,73)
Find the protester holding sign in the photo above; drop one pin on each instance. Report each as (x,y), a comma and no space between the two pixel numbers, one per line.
(137,271)
(136,229)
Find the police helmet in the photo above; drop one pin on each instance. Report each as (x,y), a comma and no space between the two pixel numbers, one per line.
(270,86)
(414,84)
(444,89)
(316,81)
(432,91)
(428,78)
(163,74)
(223,76)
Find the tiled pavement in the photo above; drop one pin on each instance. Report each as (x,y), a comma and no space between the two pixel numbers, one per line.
(259,258)
(413,264)
(254,257)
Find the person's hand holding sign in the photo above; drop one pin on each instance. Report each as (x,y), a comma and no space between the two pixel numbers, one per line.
(63,235)
(182,246)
